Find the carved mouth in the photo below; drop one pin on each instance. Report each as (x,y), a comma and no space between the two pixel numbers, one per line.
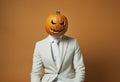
(55,31)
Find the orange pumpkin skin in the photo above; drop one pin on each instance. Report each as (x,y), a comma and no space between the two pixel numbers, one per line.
(56,24)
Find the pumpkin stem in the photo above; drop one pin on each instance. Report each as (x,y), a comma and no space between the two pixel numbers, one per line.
(58,12)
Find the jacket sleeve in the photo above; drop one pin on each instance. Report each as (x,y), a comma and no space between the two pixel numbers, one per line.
(36,66)
(78,64)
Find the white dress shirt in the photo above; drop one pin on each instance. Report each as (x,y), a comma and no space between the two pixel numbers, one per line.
(56,48)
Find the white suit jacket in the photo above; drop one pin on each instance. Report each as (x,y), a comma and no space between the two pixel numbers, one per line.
(71,69)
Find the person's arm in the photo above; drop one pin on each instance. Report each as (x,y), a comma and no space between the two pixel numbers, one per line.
(78,65)
(36,66)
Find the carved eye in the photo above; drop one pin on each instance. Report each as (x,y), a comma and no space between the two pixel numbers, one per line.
(53,22)
(62,23)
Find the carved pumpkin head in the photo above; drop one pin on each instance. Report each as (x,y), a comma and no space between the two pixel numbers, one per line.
(56,24)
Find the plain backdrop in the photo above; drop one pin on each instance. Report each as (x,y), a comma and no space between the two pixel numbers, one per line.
(95,24)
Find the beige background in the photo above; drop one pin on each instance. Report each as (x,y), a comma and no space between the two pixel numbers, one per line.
(95,23)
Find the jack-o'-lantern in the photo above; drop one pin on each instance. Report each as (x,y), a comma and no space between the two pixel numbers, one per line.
(56,24)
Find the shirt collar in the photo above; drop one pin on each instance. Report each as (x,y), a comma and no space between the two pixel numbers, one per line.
(52,38)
